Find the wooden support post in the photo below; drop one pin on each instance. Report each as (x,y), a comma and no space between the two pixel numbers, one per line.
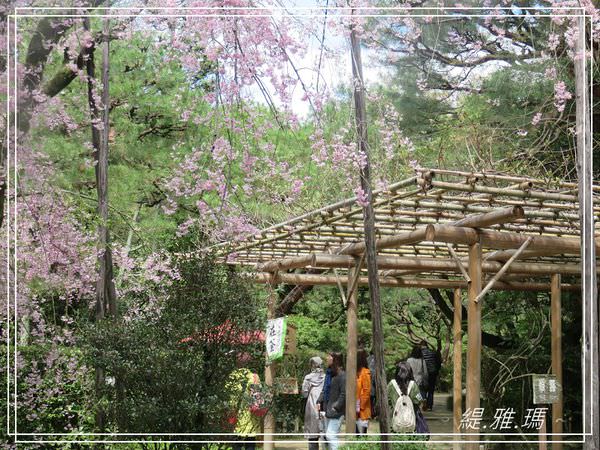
(351,345)
(556,317)
(269,421)
(473,378)
(543,436)
(457,378)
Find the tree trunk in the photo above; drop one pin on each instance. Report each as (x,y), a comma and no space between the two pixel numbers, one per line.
(369,225)
(105,291)
(589,350)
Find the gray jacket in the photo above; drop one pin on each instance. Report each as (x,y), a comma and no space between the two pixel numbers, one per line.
(312,386)
(419,370)
(336,406)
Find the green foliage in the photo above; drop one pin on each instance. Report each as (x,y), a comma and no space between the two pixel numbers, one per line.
(523,319)
(162,383)
(400,442)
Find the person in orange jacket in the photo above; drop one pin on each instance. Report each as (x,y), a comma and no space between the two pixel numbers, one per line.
(363,392)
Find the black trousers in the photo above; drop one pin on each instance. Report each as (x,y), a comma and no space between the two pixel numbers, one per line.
(431,388)
(313,444)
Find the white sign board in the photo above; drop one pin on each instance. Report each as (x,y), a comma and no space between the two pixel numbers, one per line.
(546,389)
(275,339)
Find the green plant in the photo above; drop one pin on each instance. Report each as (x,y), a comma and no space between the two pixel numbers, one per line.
(170,362)
(400,442)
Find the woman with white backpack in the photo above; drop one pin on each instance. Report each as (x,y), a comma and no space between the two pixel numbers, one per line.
(405,396)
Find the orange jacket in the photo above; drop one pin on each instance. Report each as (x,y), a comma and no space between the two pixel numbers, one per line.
(363,393)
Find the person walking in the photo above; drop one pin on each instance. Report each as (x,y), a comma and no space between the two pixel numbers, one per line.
(403,377)
(324,398)
(363,392)
(433,361)
(336,405)
(241,384)
(404,384)
(419,369)
(312,387)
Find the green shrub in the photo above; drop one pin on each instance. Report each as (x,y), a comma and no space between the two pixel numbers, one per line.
(162,384)
(401,442)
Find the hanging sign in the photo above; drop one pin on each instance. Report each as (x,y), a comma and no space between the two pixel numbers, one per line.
(275,340)
(546,389)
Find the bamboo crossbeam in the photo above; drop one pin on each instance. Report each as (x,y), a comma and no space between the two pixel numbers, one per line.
(459,204)
(458,263)
(289,263)
(503,269)
(492,218)
(507,192)
(526,203)
(501,240)
(330,280)
(503,255)
(390,225)
(444,265)
(492,176)
(480,175)
(411,237)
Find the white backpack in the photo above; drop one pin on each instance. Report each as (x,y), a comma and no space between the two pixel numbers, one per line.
(404,420)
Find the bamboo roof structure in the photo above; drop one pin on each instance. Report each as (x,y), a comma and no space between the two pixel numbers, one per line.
(424,225)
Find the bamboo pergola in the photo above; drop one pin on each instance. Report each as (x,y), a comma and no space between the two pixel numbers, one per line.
(437,229)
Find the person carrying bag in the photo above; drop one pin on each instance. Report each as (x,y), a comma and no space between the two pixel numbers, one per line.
(404,396)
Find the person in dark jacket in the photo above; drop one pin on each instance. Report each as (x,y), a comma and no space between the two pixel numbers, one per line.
(327,384)
(433,361)
(324,398)
(336,406)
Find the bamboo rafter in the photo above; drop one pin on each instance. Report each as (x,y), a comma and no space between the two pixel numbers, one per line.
(418,217)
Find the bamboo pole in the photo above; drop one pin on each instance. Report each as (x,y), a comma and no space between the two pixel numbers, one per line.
(556,343)
(358,264)
(473,378)
(543,436)
(504,268)
(497,239)
(330,280)
(351,346)
(480,175)
(457,362)
(508,192)
(503,255)
(288,263)
(462,205)
(492,218)
(524,202)
(269,420)
(431,264)
(491,176)
(458,263)
(410,237)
